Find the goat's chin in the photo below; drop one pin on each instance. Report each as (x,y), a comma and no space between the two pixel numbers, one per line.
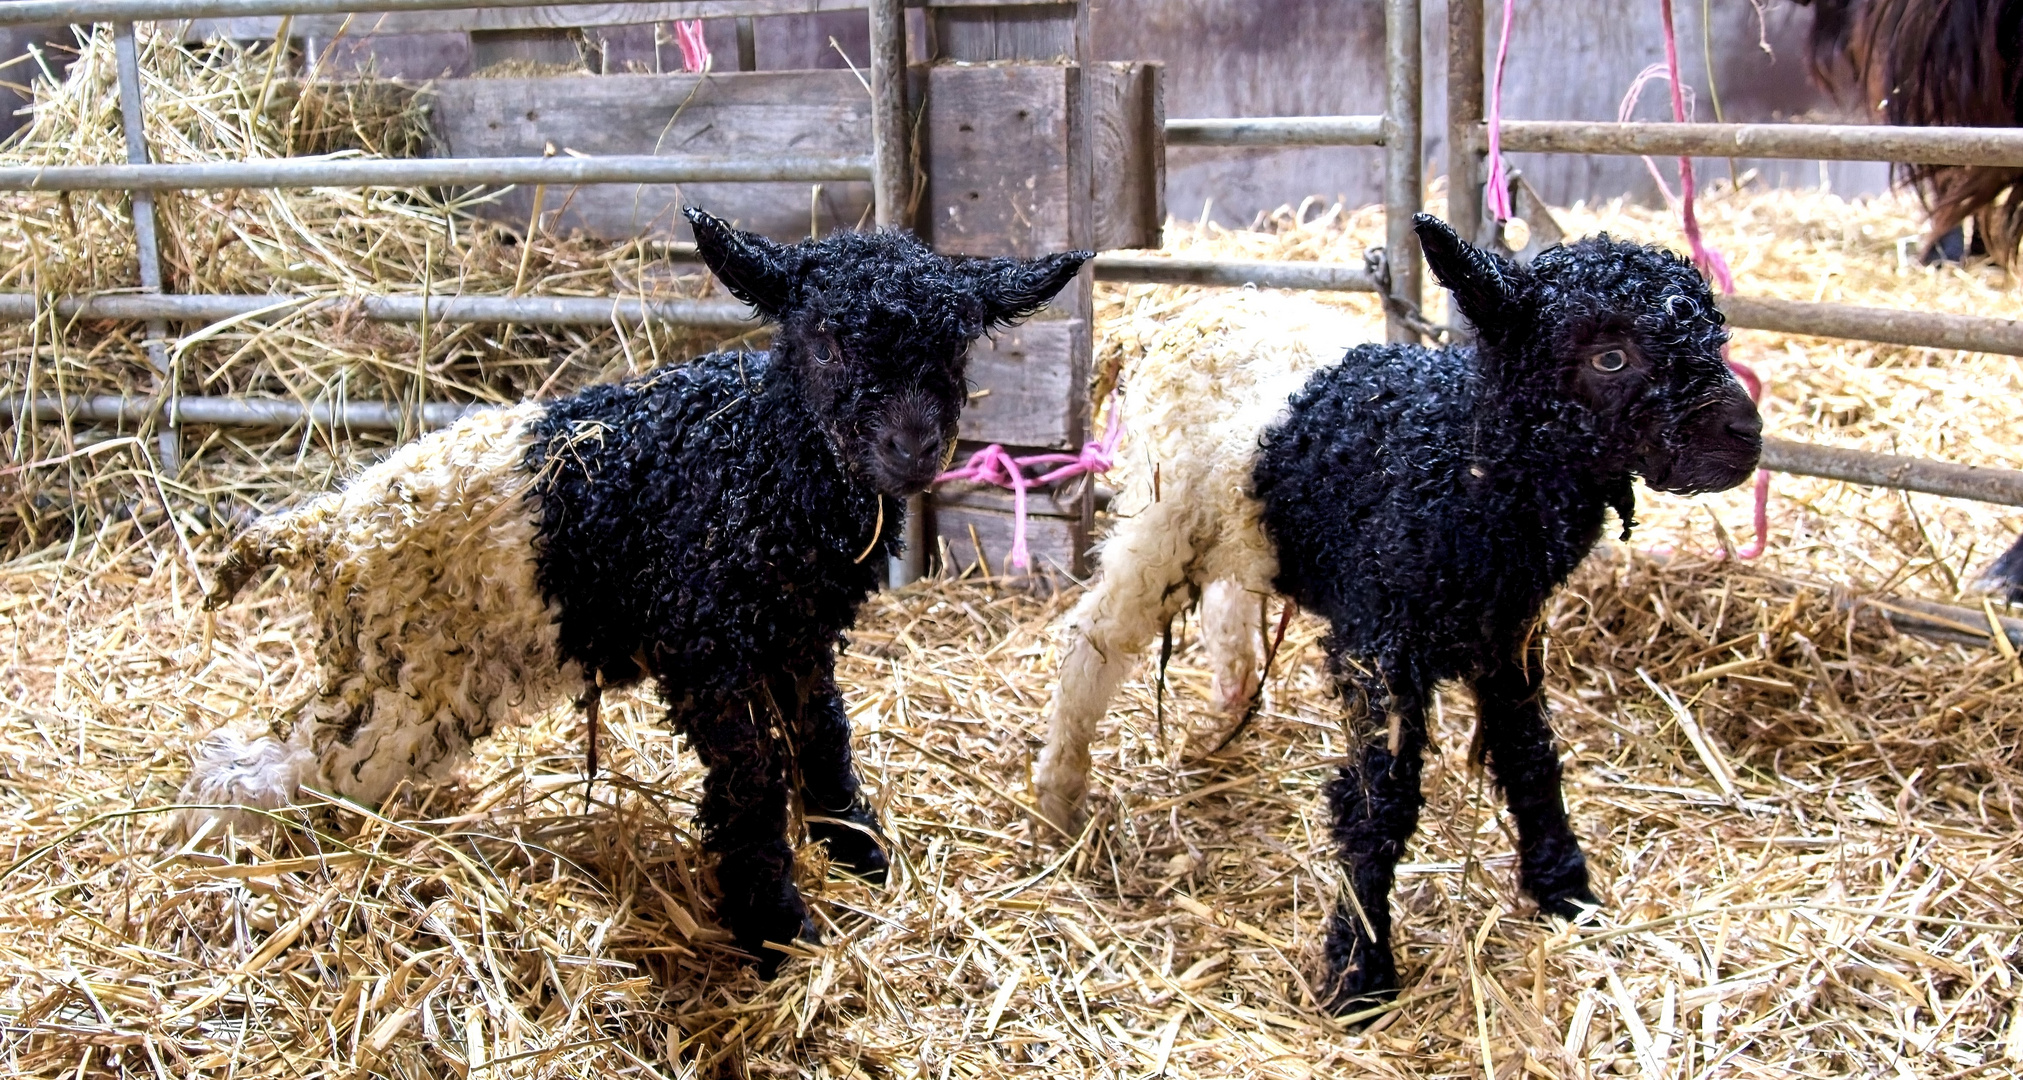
(1701,475)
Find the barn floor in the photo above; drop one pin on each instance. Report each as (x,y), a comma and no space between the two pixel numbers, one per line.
(1804,824)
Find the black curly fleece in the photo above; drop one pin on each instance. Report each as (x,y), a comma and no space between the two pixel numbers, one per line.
(1427,501)
(714,525)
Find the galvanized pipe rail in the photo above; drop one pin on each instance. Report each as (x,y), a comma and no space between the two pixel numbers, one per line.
(528,310)
(434,172)
(35,12)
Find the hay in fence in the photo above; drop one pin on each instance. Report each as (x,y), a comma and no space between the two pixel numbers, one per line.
(1805,824)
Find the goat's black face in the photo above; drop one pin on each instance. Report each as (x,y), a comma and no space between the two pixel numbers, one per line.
(874,329)
(1618,341)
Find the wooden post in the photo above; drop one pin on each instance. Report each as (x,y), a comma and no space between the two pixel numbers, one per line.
(1009,153)
(891,202)
(1402,167)
(1464,114)
(126,55)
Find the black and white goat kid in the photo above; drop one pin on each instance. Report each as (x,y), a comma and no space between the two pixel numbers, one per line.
(712,526)
(1425,502)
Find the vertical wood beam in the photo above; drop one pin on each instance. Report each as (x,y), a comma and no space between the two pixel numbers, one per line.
(892,201)
(1402,154)
(126,55)
(1464,114)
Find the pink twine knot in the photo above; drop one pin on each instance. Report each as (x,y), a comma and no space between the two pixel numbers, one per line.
(994,465)
(694,50)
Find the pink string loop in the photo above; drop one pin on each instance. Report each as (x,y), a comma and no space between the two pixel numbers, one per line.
(694,50)
(1499,184)
(994,465)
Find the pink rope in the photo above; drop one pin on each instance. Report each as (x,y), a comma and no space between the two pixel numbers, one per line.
(694,50)
(1714,266)
(994,465)
(1499,183)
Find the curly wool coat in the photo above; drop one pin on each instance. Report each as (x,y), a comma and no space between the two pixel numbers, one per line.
(711,526)
(1424,502)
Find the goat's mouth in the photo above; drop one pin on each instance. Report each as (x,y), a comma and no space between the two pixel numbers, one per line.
(1714,448)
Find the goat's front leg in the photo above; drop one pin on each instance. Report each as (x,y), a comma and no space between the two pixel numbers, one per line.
(1375,801)
(1144,584)
(743,816)
(832,794)
(1519,748)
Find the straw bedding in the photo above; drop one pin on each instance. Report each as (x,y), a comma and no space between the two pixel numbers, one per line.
(1805,824)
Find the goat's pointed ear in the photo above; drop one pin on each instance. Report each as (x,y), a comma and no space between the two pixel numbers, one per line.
(1463,269)
(1012,289)
(752,267)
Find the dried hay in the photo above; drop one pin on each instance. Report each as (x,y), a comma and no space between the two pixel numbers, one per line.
(1804,823)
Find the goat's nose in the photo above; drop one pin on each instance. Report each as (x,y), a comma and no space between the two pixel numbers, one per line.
(1749,425)
(908,447)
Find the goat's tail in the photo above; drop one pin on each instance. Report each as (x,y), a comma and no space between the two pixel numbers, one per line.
(230,769)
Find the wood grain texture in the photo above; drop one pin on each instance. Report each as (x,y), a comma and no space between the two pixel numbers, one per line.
(740,114)
(1033,386)
(1057,545)
(1127,159)
(1034,32)
(996,147)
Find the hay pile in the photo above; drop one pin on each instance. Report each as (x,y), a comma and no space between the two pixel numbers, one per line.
(1804,823)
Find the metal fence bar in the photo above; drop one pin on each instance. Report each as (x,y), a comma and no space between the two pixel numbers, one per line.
(31,12)
(1403,161)
(1919,329)
(1277,131)
(239,411)
(1824,142)
(1336,277)
(2004,486)
(530,310)
(432,172)
(147,245)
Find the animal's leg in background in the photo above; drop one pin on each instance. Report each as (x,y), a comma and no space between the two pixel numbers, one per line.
(2005,575)
(1519,746)
(830,787)
(1231,628)
(1144,585)
(743,816)
(1375,802)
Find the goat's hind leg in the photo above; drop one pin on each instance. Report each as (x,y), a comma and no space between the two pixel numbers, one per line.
(1519,746)
(831,793)
(1375,802)
(1232,625)
(1143,586)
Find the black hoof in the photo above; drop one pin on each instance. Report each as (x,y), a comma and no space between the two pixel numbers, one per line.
(1569,904)
(767,961)
(2005,575)
(855,845)
(1361,974)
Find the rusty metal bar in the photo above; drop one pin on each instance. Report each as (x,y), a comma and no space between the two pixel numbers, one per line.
(529,310)
(239,412)
(1403,164)
(432,172)
(1152,269)
(1277,131)
(1823,142)
(2004,486)
(147,245)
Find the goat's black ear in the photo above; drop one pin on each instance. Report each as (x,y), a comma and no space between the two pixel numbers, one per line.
(752,267)
(1463,269)
(1012,289)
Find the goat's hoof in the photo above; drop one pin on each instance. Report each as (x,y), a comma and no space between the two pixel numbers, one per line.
(857,846)
(1361,974)
(1570,904)
(766,962)
(1058,812)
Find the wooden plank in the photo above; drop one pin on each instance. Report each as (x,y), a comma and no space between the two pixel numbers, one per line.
(561,16)
(549,47)
(1031,32)
(1057,545)
(1033,386)
(997,149)
(1127,126)
(735,114)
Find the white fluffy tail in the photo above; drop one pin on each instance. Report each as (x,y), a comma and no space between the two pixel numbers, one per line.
(230,769)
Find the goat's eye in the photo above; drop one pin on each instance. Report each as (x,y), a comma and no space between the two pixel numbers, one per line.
(1609,362)
(825,352)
